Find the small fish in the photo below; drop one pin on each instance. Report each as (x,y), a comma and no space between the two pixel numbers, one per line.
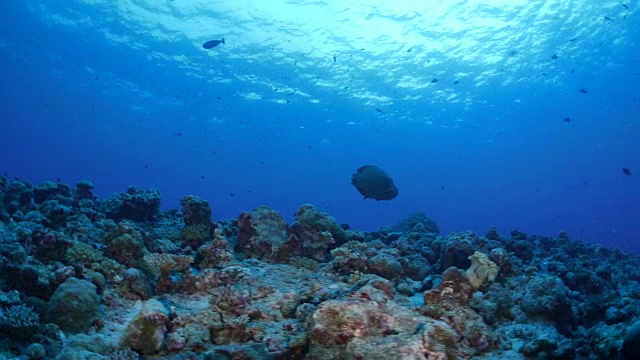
(626,171)
(583,91)
(625,6)
(232,194)
(334,58)
(554,57)
(380,111)
(573,39)
(202,177)
(513,53)
(177,134)
(434,80)
(608,18)
(213,43)
(146,166)
(456,82)
(567,119)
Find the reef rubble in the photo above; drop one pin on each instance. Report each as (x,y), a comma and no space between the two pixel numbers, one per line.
(85,278)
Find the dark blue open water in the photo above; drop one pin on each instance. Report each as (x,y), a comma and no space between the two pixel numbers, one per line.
(464,105)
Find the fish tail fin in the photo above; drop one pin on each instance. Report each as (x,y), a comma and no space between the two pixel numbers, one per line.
(223,41)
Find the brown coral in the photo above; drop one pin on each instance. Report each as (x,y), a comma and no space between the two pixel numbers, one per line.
(317,232)
(215,254)
(262,234)
(125,244)
(163,265)
(81,253)
(195,235)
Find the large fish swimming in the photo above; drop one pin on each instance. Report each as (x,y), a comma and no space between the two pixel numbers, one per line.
(374,183)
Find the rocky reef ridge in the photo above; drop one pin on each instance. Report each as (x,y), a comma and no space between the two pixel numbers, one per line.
(85,278)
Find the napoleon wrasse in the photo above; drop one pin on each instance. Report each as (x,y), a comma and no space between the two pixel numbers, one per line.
(373,183)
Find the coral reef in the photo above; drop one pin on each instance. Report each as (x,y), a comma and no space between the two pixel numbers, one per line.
(482,270)
(417,222)
(316,232)
(125,244)
(263,234)
(135,204)
(145,332)
(83,278)
(74,306)
(19,321)
(195,211)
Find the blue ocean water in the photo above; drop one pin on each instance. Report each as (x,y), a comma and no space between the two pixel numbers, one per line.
(474,108)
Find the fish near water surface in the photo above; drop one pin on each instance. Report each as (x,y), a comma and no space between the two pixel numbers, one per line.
(212,43)
(373,183)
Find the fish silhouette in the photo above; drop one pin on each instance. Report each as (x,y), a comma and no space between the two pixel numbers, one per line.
(212,43)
